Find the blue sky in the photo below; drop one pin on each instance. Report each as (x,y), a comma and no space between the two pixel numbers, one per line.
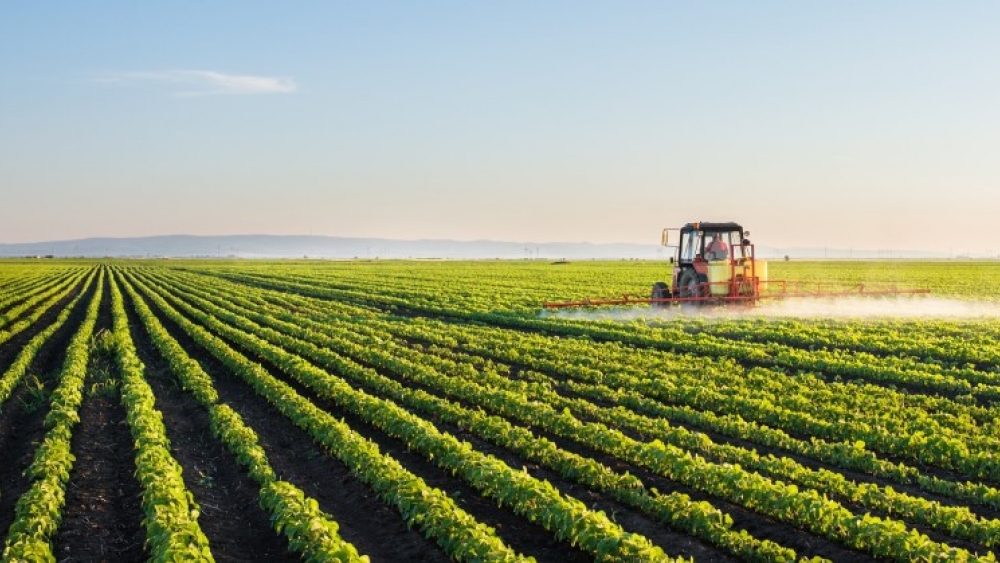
(847,124)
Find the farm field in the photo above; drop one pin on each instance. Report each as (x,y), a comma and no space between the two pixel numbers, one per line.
(431,411)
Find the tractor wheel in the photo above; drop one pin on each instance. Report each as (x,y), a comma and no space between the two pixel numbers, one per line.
(660,291)
(690,284)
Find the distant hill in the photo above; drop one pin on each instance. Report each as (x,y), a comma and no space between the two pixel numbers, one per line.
(276,246)
(273,246)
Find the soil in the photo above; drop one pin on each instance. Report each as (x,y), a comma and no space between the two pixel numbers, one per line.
(517,532)
(375,529)
(942,473)
(760,526)
(676,543)
(236,527)
(102,518)
(764,527)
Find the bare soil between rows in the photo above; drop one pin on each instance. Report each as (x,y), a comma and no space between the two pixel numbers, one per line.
(758,525)
(674,542)
(236,527)
(374,528)
(102,517)
(22,414)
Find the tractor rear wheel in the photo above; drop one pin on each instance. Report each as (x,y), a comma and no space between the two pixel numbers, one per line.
(660,291)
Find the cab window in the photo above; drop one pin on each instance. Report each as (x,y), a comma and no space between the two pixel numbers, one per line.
(691,245)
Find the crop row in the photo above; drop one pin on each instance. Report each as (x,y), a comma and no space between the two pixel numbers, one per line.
(14,289)
(967,350)
(26,355)
(310,531)
(920,436)
(857,365)
(38,512)
(427,508)
(170,511)
(537,500)
(768,399)
(44,300)
(617,444)
(700,519)
(802,405)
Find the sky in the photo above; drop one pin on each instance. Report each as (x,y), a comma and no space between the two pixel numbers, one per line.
(839,124)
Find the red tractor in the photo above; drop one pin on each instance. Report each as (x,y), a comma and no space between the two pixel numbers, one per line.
(712,262)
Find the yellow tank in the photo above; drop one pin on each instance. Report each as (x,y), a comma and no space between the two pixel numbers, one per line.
(748,272)
(718,277)
(760,270)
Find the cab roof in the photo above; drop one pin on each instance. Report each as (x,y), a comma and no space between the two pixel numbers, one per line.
(716,227)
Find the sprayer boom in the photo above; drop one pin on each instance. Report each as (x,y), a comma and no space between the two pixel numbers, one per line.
(716,263)
(772,289)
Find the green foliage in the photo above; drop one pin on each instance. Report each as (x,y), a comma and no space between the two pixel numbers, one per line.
(170,511)
(336,317)
(35,394)
(17,369)
(38,512)
(872,434)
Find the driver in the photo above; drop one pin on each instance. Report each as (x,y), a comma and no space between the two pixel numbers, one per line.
(717,248)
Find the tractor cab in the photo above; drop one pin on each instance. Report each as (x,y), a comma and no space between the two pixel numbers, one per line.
(710,242)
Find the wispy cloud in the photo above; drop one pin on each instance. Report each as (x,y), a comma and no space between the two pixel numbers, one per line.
(202,82)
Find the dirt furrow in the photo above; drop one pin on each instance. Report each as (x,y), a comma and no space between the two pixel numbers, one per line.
(236,527)
(22,414)
(375,529)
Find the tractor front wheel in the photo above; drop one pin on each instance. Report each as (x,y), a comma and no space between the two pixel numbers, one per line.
(660,291)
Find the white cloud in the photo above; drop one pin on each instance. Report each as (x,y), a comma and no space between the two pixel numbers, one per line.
(202,82)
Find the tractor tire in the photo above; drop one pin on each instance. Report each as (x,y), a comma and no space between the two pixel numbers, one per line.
(690,285)
(660,291)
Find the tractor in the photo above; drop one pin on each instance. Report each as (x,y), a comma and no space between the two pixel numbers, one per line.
(712,262)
